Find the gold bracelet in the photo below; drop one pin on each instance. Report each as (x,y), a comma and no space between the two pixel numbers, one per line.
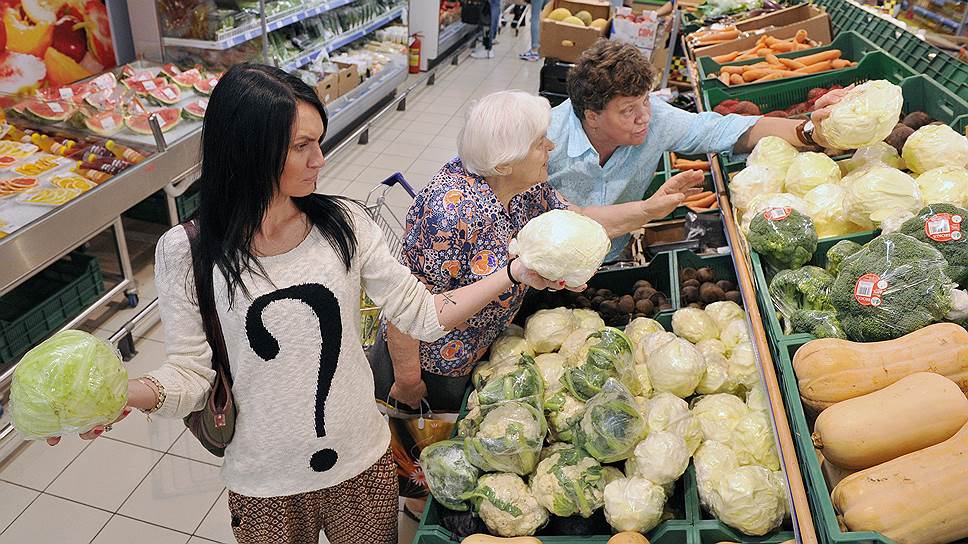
(152,383)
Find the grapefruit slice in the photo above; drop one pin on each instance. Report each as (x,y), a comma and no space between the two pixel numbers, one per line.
(105,123)
(168,118)
(166,95)
(196,110)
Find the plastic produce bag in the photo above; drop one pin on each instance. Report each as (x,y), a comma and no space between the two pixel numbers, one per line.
(634,504)
(609,355)
(564,413)
(934,146)
(785,237)
(763,202)
(875,194)
(752,181)
(508,439)
(70,383)
(773,152)
(545,330)
(661,458)
(944,227)
(450,475)
(612,425)
(874,154)
(809,170)
(521,382)
(750,499)
(838,253)
(825,206)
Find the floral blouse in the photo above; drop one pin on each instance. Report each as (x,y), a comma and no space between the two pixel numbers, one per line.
(457,233)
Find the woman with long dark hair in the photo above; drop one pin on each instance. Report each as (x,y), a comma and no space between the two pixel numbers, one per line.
(310,449)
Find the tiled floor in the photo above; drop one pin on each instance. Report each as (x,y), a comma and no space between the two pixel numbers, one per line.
(152,482)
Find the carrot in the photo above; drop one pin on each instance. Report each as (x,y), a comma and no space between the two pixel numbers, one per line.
(757,66)
(732,69)
(778,74)
(746,56)
(722,35)
(840,63)
(728,57)
(736,79)
(782,47)
(802,46)
(685,164)
(791,64)
(753,75)
(816,67)
(697,196)
(763,52)
(703,203)
(771,59)
(819,57)
(705,42)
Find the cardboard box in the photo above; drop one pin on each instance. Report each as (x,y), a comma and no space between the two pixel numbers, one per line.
(817,26)
(328,88)
(349,77)
(642,33)
(565,41)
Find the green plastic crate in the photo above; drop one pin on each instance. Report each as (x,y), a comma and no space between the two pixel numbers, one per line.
(763,274)
(818,494)
(852,45)
(722,266)
(153,209)
(42,304)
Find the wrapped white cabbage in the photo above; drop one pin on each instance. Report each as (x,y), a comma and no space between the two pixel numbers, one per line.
(640,327)
(448,472)
(752,181)
(749,499)
(644,380)
(718,416)
(612,424)
(893,223)
(773,152)
(724,311)
(568,483)
(752,440)
(562,245)
(545,330)
(867,114)
(552,367)
(661,458)
(808,170)
(878,153)
(667,412)
(825,205)
(934,146)
(763,202)
(588,319)
(610,474)
(507,506)
(712,460)
(742,366)
(946,184)
(714,345)
(634,504)
(575,347)
(509,348)
(650,343)
(676,368)
(694,325)
(878,193)
(735,332)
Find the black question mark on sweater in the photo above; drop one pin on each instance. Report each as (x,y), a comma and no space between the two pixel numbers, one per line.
(324,304)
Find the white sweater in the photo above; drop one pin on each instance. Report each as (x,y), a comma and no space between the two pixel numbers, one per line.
(275,359)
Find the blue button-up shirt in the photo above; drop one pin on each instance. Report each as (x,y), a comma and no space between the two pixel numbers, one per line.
(574,167)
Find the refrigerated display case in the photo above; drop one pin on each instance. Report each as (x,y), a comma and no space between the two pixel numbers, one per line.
(440,28)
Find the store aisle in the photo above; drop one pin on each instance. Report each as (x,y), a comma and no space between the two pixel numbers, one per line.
(152,482)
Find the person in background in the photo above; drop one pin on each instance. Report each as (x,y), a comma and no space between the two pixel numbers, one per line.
(489,30)
(611,134)
(287,265)
(534,54)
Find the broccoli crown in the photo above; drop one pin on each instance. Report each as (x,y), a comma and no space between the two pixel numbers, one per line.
(822,324)
(786,243)
(940,220)
(840,251)
(911,290)
(806,288)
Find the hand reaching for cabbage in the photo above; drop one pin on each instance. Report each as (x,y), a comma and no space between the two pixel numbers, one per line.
(673,192)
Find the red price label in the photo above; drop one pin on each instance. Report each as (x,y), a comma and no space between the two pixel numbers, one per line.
(777,214)
(944,227)
(869,290)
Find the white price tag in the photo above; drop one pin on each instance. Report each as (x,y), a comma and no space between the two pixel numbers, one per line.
(109,123)
(168,92)
(149,85)
(66,93)
(55,107)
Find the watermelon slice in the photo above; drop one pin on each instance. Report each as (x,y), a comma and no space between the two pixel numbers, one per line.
(168,118)
(166,95)
(188,78)
(104,82)
(171,70)
(53,111)
(139,82)
(196,110)
(205,86)
(105,123)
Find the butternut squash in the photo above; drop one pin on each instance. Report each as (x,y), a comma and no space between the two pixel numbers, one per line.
(915,412)
(832,474)
(488,539)
(830,370)
(918,498)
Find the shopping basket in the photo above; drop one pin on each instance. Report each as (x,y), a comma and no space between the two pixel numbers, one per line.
(391,225)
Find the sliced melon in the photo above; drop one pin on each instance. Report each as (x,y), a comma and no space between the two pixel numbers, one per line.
(206,86)
(145,88)
(559,14)
(171,70)
(187,79)
(166,95)
(105,82)
(52,111)
(168,118)
(196,110)
(105,123)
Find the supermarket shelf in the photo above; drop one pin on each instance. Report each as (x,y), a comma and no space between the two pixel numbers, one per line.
(254,30)
(452,34)
(936,17)
(341,40)
(347,110)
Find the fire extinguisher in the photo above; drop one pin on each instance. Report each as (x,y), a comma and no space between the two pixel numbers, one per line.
(415,54)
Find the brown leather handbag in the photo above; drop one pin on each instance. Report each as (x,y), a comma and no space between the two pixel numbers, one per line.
(213,425)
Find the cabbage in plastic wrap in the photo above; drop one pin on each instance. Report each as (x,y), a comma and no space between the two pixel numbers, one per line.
(508,439)
(677,368)
(562,245)
(450,475)
(667,412)
(866,115)
(612,425)
(545,330)
(719,415)
(70,383)
(661,458)
(750,499)
(934,146)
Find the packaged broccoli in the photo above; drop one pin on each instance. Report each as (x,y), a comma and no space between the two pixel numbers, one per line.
(806,288)
(507,506)
(838,252)
(785,237)
(940,226)
(893,286)
(521,381)
(612,424)
(819,323)
(508,439)
(568,483)
(450,475)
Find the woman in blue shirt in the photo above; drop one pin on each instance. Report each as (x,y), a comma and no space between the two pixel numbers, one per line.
(611,134)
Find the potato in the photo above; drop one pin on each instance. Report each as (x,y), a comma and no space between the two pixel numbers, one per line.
(628,537)
(644,293)
(692,283)
(710,292)
(916,119)
(705,274)
(734,296)
(688,274)
(690,293)
(626,304)
(645,306)
(726,285)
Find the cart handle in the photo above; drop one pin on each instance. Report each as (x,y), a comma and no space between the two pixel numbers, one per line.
(398,178)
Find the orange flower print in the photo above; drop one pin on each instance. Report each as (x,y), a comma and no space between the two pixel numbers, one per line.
(452,350)
(452,199)
(483,262)
(451,267)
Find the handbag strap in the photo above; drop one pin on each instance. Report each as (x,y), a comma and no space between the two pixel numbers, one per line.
(206,306)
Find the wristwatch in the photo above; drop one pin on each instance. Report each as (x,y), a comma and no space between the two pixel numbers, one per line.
(805,133)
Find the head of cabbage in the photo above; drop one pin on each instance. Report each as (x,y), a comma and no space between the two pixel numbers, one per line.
(450,475)
(551,366)
(640,327)
(70,383)
(934,146)
(694,325)
(718,416)
(568,483)
(755,179)
(750,499)
(507,506)
(808,170)
(661,458)
(562,245)
(634,504)
(723,312)
(677,368)
(612,424)
(508,439)
(753,441)
(667,412)
(878,193)
(825,205)
(945,184)
(773,152)
(867,114)
(588,319)
(545,330)
(507,348)
(876,154)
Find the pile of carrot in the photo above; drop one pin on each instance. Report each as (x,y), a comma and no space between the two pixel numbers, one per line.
(769,45)
(702,202)
(679,163)
(703,38)
(773,67)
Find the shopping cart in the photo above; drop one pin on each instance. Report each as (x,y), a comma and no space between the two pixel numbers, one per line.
(391,226)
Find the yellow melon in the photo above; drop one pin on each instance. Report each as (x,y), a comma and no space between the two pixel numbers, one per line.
(599,24)
(585,17)
(559,14)
(573,21)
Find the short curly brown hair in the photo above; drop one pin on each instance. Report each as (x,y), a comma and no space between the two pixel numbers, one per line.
(606,70)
